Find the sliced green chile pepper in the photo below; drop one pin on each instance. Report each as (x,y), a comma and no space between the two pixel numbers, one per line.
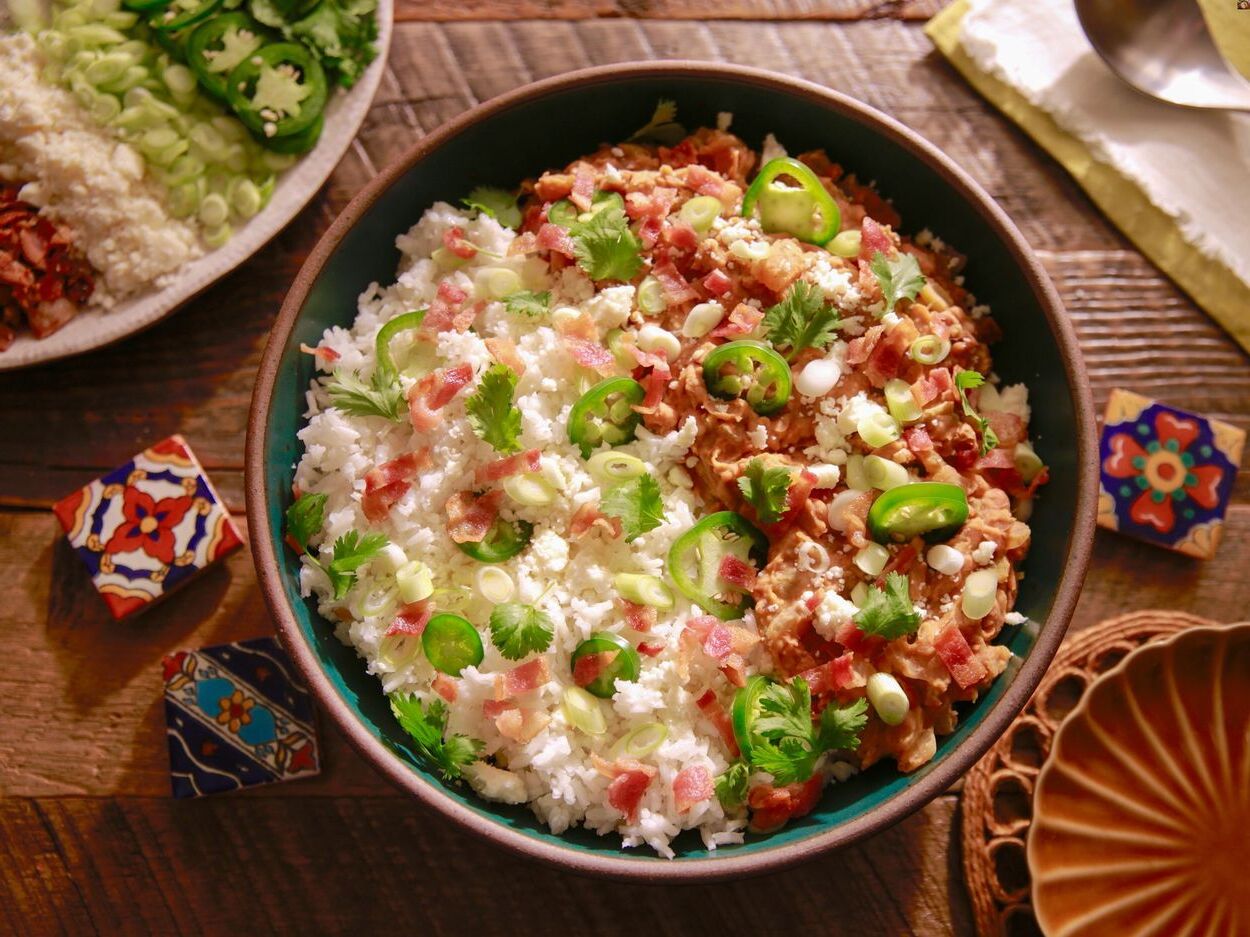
(502,542)
(451,643)
(744,710)
(210,71)
(625,666)
(695,557)
(932,509)
(750,369)
(298,143)
(808,211)
(183,13)
(241,89)
(606,414)
(403,322)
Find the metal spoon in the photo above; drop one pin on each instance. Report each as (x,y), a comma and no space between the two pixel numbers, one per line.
(1164,49)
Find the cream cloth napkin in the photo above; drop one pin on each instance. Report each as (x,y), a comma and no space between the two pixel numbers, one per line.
(1175,180)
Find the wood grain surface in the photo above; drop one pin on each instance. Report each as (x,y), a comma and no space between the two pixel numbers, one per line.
(89,840)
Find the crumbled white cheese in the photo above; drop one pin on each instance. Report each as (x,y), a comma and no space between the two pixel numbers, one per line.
(832,613)
(1014,618)
(758,436)
(771,150)
(983,555)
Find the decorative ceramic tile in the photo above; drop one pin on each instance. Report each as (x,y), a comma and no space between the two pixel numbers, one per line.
(1166,474)
(148,526)
(237,716)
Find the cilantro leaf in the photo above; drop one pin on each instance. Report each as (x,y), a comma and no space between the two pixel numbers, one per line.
(498,203)
(426,726)
(305,518)
(731,787)
(840,726)
(528,304)
(783,739)
(380,397)
(900,278)
(637,503)
(351,551)
(605,247)
(964,382)
(889,613)
(518,629)
(767,490)
(662,127)
(803,319)
(340,34)
(491,413)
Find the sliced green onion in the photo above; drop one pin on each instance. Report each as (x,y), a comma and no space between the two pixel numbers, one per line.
(859,595)
(651,296)
(700,212)
(216,237)
(108,67)
(884,474)
(878,429)
(531,490)
(213,210)
(642,741)
(497,282)
(245,197)
(872,559)
(614,467)
(845,244)
(376,603)
(660,341)
(702,319)
(929,349)
(104,108)
(399,650)
(902,404)
(494,584)
(446,260)
(184,200)
(583,711)
(415,582)
(856,477)
(179,79)
(980,591)
(1028,462)
(888,698)
(643,590)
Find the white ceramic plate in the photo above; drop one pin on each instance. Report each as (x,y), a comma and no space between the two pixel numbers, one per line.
(296,187)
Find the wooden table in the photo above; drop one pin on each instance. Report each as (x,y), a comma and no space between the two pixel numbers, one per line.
(89,838)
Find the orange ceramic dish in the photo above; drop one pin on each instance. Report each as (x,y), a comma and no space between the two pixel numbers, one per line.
(1142,812)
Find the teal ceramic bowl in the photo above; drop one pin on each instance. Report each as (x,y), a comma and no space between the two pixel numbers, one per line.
(547,125)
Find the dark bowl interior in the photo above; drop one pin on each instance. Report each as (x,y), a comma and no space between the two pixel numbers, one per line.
(547,126)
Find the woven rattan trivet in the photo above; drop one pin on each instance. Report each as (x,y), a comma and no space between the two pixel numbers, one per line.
(997,800)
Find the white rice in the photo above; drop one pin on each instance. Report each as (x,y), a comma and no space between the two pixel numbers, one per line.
(571,581)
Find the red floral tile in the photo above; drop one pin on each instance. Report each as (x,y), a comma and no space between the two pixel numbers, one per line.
(1166,474)
(148,526)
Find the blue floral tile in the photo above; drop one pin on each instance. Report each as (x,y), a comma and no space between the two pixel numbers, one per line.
(1166,474)
(148,526)
(236,715)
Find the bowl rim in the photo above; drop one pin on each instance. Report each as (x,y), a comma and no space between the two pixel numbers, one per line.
(1148,651)
(713,868)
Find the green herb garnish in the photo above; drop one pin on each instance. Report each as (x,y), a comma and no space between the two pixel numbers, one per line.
(900,278)
(518,629)
(498,203)
(767,490)
(426,725)
(964,382)
(888,613)
(803,319)
(491,412)
(528,304)
(638,505)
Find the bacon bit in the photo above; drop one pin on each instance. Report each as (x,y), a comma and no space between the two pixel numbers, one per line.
(590,667)
(890,354)
(525,678)
(900,562)
(737,572)
(651,650)
(683,154)
(590,354)
(655,384)
(931,386)
(433,392)
(323,352)
(641,618)
(411,619)
(996,459)
(773,807)
(692,785)
(1008,427)
(654,205)
(588,516)
(917,439)
(676,289)
(701,625)
(681,235)
(454,241)
(445,312)
(43,279)
(470,518)
(389,482)
(526,243)
(522,463)
(831,676)
(583,190)
(873,239)
(964,450)
(704,181)
(741,321)
(649,231)
(582,326)
(626,790)
(711,708)
(858,349)
(520,724)
(445,687)
(854,640)
(718,283)
(718,644)
(552,237)
(964,666)
(734,668)
(504,351)
(493,707)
